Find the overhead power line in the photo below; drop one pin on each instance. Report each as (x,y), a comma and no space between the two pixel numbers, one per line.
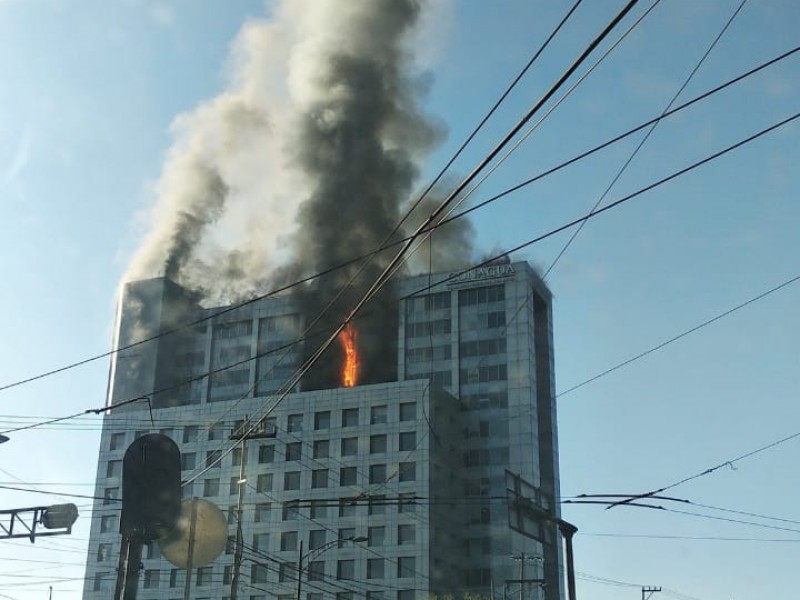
(323,273)
(681,335)
(727,463)
(303,369)
(645,138)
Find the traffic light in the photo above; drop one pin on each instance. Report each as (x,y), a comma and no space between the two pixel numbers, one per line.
(151,488)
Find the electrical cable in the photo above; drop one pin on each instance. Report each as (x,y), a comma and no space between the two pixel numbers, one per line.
(681,335)
(330,270)
(301,371)
(645,137)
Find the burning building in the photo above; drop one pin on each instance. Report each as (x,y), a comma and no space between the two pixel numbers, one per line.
(388,482)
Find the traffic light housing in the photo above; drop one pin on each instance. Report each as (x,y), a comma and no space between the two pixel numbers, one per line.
(151,488)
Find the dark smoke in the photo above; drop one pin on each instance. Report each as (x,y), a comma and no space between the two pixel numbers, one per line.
(349,148)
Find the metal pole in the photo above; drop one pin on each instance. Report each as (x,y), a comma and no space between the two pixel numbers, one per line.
(130,557)
(299,569)
(521,575)
(568,532)
(237,556)
(187,585)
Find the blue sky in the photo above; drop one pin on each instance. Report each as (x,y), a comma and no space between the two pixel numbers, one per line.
(90,90)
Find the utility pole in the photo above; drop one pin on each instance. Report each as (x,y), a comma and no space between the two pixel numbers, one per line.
(648,591)
(243,434)
(522,557)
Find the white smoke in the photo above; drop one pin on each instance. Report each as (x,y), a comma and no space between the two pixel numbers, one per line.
(232,187)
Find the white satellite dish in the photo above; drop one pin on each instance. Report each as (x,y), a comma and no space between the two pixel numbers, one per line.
(209,530)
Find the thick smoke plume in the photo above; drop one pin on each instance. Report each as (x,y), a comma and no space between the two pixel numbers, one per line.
(306,162)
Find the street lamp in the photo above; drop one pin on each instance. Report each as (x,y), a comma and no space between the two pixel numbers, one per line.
(317,551)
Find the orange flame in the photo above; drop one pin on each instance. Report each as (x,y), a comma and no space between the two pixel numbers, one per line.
(347,337)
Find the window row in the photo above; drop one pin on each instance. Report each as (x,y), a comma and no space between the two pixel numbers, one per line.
(482,295)
(292,480)
(424,304)
(350,417)
(428,328)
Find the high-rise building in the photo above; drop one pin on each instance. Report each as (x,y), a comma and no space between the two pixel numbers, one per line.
(394,490)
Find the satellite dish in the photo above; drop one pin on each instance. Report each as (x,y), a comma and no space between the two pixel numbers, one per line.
(210,535)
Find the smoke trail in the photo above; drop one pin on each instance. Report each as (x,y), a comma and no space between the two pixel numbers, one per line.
(303,164)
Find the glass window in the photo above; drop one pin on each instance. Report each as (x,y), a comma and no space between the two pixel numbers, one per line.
(375,568)
(266,454)
(293,451)
(110,494)
(264,482)
(346,534)
(289,540)
(322,420)
(406,595)
(319,478)
(376,536)
(377,505)
(347,507)
(408,441)
(261,541)
(377,444)
(347,476)
(377,415)
(377,473)
(345,569)
(286,572)
(117,441)
(408,471)
(211,487)
(406,566)
(408,411)
(213,459)
(407,503)
(406,534)
(316,570)
(174,578)
(258,573)
(321,448)
(291,510)
(188,461)
(291,480)
(203,575)
(349,417)
(316,538)
(107,523)
(114,468)
(319,509)
(216,432)
(262,511)
(103,552)
(294,423)
(349,446)
(236,457)
(151,577)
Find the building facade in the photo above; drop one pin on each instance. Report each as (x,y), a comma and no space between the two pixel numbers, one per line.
(393,491)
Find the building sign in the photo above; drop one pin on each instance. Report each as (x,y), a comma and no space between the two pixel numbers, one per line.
(487,272)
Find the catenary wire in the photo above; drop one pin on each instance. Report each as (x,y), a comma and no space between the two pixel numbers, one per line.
(646,136)
(551,233)
(342,265)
